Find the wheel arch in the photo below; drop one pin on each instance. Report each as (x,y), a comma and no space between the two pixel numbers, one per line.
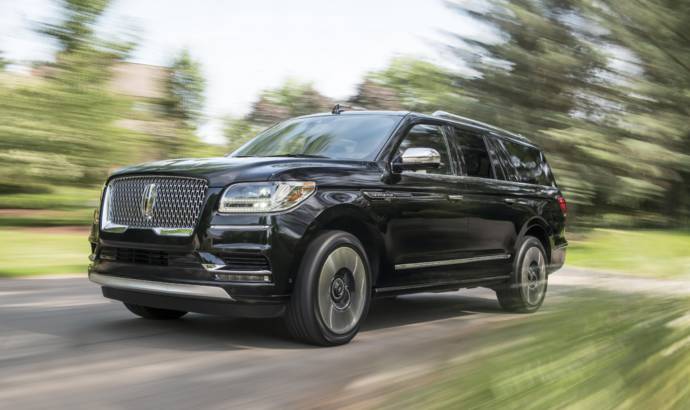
(538,228)
(354,220)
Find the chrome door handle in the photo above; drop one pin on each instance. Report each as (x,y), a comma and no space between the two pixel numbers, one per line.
(456,197)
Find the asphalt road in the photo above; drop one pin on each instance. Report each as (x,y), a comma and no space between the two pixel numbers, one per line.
(62,345)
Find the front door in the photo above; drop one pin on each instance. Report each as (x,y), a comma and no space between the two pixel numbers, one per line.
(426,231)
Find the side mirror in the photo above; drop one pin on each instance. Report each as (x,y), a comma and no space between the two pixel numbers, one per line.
(414,159)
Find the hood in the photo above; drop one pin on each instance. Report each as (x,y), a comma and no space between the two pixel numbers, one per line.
(222,171)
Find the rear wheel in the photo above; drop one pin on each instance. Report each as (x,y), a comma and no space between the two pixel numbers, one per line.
(332,291)
(154,313)
(527,288)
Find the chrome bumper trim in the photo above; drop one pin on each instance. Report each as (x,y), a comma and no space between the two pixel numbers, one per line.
(448,262)
(219,268)
(165,288)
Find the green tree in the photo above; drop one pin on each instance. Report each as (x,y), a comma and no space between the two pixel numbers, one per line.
(63,129)
(185,87)
(419,86)
(656,95)
(76,30)
(553,76)
(292,99)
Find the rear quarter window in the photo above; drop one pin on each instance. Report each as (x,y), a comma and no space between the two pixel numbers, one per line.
(528,163)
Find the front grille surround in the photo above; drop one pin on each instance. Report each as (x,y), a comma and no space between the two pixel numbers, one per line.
(175,210)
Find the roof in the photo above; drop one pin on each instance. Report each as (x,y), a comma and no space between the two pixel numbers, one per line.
(452,118)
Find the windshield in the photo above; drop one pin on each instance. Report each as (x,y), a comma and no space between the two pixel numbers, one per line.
(357,137)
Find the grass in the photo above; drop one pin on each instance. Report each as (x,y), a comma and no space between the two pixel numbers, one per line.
(598,351)
(662,254)
(63,206)
(42,251)
(61,198)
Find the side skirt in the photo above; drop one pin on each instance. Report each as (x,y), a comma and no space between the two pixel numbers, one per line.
(439,286)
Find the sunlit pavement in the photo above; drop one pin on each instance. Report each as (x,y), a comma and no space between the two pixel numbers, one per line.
(63,345)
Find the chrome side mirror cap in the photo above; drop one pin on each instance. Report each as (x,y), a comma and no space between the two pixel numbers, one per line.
(417,158)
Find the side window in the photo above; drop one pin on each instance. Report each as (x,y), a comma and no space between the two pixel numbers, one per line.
(428,136)
(474,154)
(501,159)
(529,163)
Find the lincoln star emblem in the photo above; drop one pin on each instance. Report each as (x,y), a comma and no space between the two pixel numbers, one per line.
(149,200)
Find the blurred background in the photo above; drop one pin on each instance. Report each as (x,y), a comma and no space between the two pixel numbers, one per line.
(87,86)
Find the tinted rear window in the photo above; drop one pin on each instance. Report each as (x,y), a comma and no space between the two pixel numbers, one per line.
(528,163)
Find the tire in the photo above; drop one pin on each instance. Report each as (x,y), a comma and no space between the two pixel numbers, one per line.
(527,287)
(154,313)
(332,290)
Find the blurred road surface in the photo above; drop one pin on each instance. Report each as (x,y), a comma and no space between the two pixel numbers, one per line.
(63,345)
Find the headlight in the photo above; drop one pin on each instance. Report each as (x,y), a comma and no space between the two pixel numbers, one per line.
(262,197)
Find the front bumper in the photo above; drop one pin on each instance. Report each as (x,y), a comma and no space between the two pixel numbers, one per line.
(165,288)
(180,299)
(197,266)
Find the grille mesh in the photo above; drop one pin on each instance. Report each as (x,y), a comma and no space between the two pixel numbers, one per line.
(177,205)
(245,261)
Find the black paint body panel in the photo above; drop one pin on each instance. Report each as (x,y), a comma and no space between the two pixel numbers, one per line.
(407,218)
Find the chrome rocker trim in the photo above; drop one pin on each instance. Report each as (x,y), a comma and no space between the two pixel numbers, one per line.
(432,264)
(165,288)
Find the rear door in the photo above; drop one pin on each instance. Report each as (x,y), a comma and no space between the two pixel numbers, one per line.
(492,219)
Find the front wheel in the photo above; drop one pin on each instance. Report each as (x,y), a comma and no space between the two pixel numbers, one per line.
(527,287)
(332,291)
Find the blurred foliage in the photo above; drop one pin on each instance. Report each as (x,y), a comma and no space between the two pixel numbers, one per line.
(56,132)
(594,83)
(59,198)
(648,253)
(292,99)
(3,62)
(67,127)
(185,86)
(602,86)
(237,131)
(57,206)
(601,350)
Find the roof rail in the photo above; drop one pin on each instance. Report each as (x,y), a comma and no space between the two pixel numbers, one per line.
(339,108)
(447,115)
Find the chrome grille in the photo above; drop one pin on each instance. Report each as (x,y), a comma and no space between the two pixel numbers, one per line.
(176,204)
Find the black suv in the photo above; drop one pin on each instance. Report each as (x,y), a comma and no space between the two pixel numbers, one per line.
(317,215)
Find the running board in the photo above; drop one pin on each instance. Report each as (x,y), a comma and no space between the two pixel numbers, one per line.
(422,287)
